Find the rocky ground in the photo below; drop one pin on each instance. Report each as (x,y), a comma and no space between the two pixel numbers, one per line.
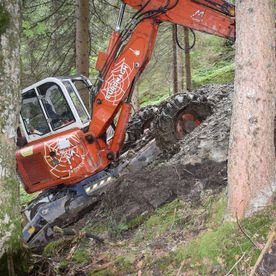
(130,213)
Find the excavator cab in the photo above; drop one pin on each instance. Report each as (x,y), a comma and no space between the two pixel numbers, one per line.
(54,105)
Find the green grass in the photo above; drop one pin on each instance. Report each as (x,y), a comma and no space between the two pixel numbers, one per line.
(222,246)
(53,247)
(124,264)
(25,198)
(205,244)
(81,255)
(218,75)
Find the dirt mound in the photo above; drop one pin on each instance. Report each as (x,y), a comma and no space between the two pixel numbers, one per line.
(131,195)
(199,164)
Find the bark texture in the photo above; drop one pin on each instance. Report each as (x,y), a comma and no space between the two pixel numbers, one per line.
(82,37)
(174,50)
(188,72)
(180,65)
(177,63)
(251,167)
(10,227)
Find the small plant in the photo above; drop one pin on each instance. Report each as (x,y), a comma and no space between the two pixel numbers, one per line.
(124,264)
(53,247)
(81,256)
(63,264)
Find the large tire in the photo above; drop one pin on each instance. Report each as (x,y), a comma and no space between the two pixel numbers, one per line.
(178,116)
(140,122)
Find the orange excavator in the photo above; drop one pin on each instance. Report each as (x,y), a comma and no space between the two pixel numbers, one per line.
(66,149)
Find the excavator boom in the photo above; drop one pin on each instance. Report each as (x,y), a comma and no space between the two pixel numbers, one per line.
(215,17)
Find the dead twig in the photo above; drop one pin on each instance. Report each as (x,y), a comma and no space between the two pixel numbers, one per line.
(271,237)
(243,231)
(188,172)
(180,268)
(179,178)
(71,231)
(236,263)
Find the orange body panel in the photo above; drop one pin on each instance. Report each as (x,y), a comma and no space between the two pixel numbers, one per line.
(65,158)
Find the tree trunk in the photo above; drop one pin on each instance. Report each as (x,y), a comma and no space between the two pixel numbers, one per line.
(135,99)
(180,73)
(174,48)
(187,60)
(251,166)
(10,227)
(82,37)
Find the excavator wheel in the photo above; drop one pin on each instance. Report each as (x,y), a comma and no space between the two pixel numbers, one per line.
(178,116)
(140,122)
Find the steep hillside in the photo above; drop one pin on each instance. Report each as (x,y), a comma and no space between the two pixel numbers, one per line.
(167,218)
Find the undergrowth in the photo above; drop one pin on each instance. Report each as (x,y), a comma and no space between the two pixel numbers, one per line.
(179,238)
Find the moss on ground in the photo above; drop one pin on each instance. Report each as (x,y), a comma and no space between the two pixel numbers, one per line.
(217,250)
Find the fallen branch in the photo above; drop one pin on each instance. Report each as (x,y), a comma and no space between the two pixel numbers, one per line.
(236,263)
(246,233)
(180,268)
(71,231)
(271,237)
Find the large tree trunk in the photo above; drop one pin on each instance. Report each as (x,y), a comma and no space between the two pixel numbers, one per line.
(10,228)
(82,37)
(251,166)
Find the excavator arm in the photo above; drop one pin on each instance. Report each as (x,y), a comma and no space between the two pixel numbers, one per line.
(130,50)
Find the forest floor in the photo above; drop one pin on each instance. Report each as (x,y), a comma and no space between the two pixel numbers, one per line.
(168,218)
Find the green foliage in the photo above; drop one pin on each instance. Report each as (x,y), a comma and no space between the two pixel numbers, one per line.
(25,198)
(18,257)
(53,247)
(216,209)
(223,245)
(212,61)
(169,217)
(4,19)
(219,75)
(81,256)
(104,272)
(63,265)
(124,264)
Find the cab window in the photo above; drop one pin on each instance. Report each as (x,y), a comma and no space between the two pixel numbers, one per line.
(55,105)
(32,114)
(77,103)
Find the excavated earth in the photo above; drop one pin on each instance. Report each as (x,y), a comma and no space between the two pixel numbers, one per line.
(197,163)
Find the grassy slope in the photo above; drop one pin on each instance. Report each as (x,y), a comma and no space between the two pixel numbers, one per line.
(177,237)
